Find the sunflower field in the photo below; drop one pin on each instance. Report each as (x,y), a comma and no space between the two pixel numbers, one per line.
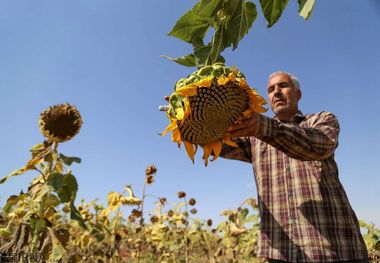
(46,224)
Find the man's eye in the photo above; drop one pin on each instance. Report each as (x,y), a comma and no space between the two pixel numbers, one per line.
(284,85)
(270,89)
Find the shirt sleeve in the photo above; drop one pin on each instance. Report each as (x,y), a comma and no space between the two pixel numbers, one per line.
(241,153)
(316,141)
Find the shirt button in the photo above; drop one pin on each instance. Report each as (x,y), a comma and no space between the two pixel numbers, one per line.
(292,221)
(291,195)
(287,170)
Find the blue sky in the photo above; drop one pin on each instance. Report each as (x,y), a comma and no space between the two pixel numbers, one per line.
(104,57)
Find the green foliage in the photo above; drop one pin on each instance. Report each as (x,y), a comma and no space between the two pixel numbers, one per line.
(305,8)
(272,10)
(230,20)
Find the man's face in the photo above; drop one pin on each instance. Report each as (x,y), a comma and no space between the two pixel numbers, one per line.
(283,97)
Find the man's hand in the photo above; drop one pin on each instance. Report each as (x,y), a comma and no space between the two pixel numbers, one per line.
(245,126)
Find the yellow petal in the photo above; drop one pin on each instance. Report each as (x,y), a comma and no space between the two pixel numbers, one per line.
(188,90)
(176,136)
(222,80)
(179,113)
(216,148)
(247,113)
(205,82)
(258,108)
(187,107)
(171,127)
(190,149)
(207,148)
(227,140)
(233,73)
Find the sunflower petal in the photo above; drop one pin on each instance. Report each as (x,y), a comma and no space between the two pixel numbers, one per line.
(207,148)
(190,149)
(179,113)
(187,107)
(176,136)
(188,90)
(205,82)
(227,140)
(222,80)
(216,148)
(247,112)
(258,108)
(171,127)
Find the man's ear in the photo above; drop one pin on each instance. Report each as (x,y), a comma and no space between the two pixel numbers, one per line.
(299,94)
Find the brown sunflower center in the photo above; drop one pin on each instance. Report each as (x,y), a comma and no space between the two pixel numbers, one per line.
(60,122)
(213,109)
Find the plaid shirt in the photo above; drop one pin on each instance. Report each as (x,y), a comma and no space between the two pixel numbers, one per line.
(305,213)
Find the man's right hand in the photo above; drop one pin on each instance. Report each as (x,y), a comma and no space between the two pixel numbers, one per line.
(245,126)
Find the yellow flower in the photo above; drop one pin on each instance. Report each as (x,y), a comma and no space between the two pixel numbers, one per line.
(203,107)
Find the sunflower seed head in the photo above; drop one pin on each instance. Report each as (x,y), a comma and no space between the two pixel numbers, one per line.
(192,201)
(60,122)
(181,194)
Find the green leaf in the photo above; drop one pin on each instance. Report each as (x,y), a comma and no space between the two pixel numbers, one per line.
(272,10)
(219,43)
(52,200)
(56,181)
(242,18)
(68,160)
(188,60)
(75,215)
(208,8)
(189,26)
(65,186)
(305,7)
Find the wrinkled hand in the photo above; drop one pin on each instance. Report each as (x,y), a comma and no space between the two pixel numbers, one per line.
(245,126)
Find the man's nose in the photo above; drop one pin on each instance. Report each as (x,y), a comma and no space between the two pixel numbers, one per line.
(277,90)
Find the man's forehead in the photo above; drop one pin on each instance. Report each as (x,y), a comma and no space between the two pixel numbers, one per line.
(281,77)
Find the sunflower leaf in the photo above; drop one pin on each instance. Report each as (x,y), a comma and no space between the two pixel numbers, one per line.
(272,10)
(14,173)
(305,8)
(189,26)
(242,18)
(75,215)
(68,160)
(188,60)
(219,43)
(208,8)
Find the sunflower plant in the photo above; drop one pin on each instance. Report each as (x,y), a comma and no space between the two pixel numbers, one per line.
(34,215)
(205,103)
(212,98)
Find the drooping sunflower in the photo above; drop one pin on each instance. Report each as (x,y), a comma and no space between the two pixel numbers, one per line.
(60,122)
(205,104)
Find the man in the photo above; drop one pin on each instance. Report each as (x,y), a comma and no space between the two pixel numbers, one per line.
(305,213)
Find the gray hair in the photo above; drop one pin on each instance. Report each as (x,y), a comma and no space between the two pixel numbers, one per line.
(296,83)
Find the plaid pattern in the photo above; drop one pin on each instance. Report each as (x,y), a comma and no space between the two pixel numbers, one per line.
(305,213)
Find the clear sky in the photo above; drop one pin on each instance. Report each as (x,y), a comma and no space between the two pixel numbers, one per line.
(104,57)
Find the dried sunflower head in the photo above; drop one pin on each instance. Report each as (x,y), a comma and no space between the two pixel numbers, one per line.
(60,122)
(205,104)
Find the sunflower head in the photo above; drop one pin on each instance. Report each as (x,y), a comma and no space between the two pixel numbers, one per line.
(60,122)
(205,104)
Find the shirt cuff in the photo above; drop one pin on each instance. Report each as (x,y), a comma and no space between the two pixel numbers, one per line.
(268,127)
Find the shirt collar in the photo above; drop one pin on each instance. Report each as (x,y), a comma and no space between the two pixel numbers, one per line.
(298,117)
